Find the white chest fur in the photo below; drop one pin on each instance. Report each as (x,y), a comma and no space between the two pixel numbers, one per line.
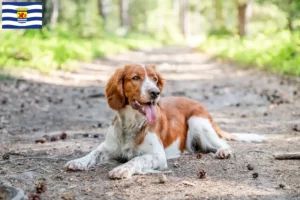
(126,129)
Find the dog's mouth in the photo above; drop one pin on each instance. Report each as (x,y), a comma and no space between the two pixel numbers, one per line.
(148,109)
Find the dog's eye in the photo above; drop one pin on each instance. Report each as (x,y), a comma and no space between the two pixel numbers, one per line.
(154,79)
(136,78)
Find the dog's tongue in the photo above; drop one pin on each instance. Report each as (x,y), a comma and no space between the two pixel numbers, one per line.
(150,112)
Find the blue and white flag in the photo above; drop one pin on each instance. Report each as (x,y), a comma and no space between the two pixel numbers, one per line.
(21,15)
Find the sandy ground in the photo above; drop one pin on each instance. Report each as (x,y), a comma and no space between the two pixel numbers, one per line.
(240,101)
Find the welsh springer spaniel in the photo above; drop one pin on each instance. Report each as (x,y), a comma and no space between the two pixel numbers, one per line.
(148,130)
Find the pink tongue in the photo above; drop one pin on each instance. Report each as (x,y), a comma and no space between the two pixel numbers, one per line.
(150,112)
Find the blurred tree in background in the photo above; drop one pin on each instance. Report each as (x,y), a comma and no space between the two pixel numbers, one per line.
(259,32)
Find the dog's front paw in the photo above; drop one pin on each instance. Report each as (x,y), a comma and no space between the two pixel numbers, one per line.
(223,153)
(121,172)
(80,164)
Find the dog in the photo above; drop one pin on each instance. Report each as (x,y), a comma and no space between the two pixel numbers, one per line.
(149,129)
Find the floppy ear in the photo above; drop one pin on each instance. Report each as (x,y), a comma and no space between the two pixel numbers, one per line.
(114,90)
(160,79)
(160,82)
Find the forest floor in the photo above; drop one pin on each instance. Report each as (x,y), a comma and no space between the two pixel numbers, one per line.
(240,100)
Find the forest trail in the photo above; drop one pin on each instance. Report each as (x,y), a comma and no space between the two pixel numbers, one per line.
(240,100)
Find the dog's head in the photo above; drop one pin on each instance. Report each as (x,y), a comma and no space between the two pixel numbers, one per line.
(136,85)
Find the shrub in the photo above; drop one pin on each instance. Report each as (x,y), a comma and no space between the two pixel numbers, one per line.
(279,52)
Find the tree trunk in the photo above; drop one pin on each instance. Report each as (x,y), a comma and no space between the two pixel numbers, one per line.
(124,19)
(100,8)
(46,12)
(54,15)
(290,16)
(242,19)
(184,18)
(219,14)
(104,10)
(145,18)
(160,18)
(290,24)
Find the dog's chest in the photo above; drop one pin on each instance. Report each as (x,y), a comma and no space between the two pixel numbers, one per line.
(127,136)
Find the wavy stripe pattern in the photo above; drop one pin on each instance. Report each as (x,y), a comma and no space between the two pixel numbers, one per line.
(13,7)
(21,3)
(16,19)
(17,27)
(18,24)
(28,11)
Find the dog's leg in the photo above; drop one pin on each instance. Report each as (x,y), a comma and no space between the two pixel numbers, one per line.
(153,158)
(101,154)
(97,156)
(202,132)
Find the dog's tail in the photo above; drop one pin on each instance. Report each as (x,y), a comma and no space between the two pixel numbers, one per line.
(243,137)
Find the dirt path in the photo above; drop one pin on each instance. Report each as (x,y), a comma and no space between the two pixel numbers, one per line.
(239,100)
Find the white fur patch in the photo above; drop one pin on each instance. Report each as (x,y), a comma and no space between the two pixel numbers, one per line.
(173,150)
(147,83)
(153,145)
(248,137)
(201,132)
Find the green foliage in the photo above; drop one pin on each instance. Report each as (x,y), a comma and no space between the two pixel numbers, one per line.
(279,52)
(139,10)
(289,7)
(220,32)
(80,34)
(80,17)
(47,51)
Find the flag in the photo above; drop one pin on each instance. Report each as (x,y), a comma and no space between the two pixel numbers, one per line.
(21,15)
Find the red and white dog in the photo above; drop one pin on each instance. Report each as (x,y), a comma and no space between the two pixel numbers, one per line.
(148,130)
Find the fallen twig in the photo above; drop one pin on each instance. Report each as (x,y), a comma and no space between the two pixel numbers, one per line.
(258,151)
(287,156)
(29,170)
(27,158)
(97,95)
(161,172)
(157,172)
(188,183)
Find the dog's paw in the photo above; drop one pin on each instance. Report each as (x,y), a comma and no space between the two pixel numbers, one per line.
(80,164)
(121,172)
(223,153)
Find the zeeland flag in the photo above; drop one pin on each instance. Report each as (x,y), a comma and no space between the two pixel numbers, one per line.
(21,15)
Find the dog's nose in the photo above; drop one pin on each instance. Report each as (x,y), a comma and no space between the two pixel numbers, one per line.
(154,93)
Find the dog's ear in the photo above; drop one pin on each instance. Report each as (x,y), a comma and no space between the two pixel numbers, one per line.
(114,90)
(160,82)
(160,79)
